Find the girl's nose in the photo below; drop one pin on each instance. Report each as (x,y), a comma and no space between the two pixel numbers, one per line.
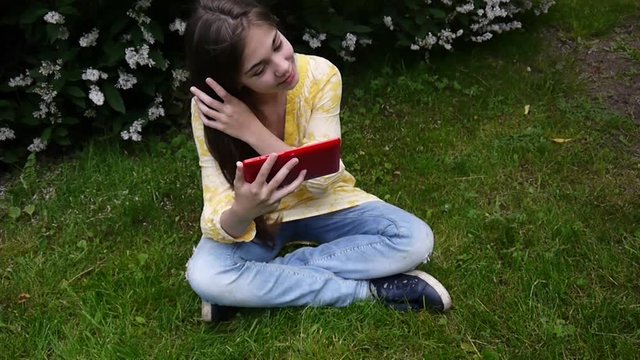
(282,66)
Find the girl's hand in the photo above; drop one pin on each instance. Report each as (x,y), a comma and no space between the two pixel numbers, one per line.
(261,197)
(231,116)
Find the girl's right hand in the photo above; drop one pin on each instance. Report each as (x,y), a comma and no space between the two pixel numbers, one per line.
(261,197)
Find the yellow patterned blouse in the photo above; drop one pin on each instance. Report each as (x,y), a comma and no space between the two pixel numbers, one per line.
(312,115)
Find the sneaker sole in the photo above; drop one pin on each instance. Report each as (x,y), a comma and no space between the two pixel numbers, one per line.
(436,285)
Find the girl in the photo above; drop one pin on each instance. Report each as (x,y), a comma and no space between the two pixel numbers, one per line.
(254,95)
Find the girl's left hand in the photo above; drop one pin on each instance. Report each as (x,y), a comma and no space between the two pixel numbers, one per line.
(231,116)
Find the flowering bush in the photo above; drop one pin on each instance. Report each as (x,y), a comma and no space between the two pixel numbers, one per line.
(117,66)
(349,26)
(87,67)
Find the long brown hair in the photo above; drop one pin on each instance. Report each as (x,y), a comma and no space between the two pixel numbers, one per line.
(215,39)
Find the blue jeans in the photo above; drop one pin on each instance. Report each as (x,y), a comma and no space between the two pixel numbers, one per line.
(371,240)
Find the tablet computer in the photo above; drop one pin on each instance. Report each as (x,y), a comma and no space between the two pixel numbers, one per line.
(319,159)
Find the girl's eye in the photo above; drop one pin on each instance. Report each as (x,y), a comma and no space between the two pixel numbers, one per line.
(278,46)
(259,72)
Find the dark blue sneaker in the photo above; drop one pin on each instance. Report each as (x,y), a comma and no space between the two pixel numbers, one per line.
(411,291)
(217,313)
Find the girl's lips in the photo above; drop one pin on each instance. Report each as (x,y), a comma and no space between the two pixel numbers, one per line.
(290,78)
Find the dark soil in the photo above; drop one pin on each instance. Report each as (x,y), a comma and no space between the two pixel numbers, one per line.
(610,66)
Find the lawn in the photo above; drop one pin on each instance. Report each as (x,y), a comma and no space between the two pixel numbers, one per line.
(532,188)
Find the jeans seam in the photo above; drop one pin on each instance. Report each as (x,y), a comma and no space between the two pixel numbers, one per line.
(343,251)
(288,270)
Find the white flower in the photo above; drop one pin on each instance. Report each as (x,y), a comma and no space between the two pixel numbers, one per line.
(313,38)
(139,56)
(466,8)
(427,42)
(125,81)
(139,17)
(544,7)
(37,145)
(54,17)
(346,57)
(178,25)
(46,92)
(21,80)
(414,47)
(63,33)
(447,2)
(125,38)
(179,76)
(94,75)
(47,68)
(502,27)
(482,38)
(349,42)
(388,22)
(156,110)
(96,95)
(90,113)
(446,37)
(142,4)
(365,42)
(134,131)
(89,39)
(7,134)
(148,36)
(48,108)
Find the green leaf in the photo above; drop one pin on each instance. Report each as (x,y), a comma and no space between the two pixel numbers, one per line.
(7,114)
(33,14)
(60,132)
(14,212)
(156,56)
(81,103)
(149,88)
(142,258)
(52,32)
(68,10)
(114,51)
(467,347)
(437,13)
(64,141)
(46,134)
(360,29)
(70,120)
(113,98)
(30,209)
(75,91)
(155,30)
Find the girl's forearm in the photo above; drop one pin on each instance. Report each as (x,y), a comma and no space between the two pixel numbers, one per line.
(234,223)
(265,142)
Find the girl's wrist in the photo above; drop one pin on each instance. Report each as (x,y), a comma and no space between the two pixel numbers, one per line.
(254,134)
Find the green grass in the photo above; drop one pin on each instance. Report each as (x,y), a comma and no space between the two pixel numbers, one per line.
(537,241)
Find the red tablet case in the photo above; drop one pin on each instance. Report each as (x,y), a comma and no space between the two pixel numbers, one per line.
(319,159)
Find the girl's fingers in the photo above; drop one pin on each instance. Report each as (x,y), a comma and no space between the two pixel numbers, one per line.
(205,99)
(208,121)
(286,190)
(224,95)
(239,173)
(206,110)
(263,174)
(282,173)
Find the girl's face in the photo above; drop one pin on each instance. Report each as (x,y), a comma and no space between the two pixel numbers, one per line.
(268,64)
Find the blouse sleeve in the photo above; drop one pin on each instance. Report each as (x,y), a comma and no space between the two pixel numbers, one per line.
(324,123)
(218,195)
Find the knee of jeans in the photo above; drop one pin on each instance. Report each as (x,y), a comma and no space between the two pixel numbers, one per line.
(419,242)
(206,281)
